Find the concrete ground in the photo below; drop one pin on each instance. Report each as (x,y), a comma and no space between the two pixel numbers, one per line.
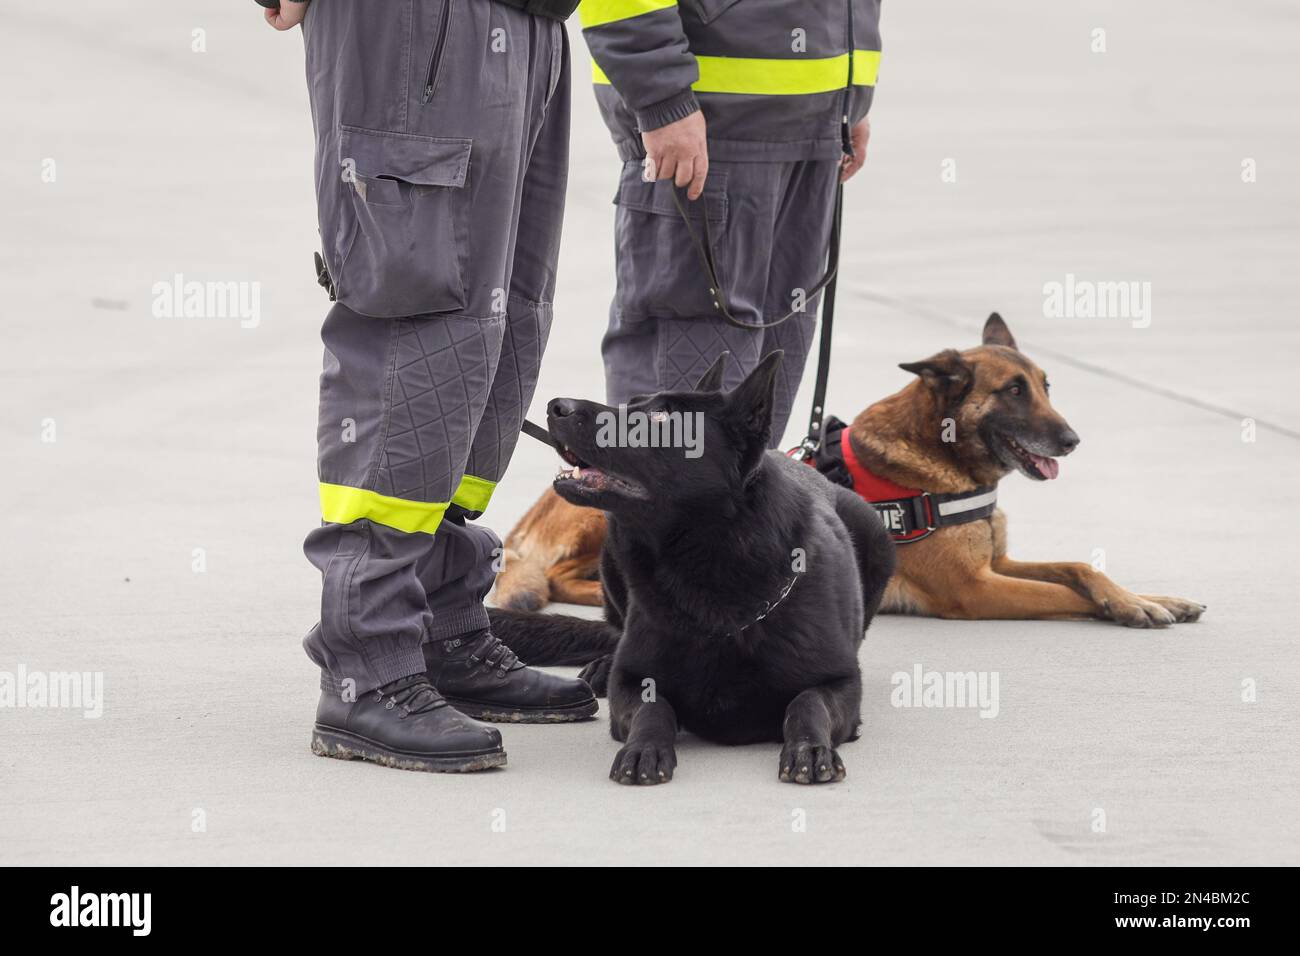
(1110,746)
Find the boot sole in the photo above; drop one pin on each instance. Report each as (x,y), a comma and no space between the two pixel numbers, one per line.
(332,742)
(498,714)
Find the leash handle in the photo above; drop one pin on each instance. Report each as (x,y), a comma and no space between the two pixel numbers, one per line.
(827,284)
(704,249)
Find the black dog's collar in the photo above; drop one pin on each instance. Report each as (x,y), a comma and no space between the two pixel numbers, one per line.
(770,606)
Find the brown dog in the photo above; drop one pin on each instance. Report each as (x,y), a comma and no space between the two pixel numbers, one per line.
(968,420)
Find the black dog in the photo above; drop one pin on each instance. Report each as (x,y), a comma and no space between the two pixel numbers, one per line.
(739,585)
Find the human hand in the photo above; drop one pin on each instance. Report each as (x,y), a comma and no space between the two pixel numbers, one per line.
(287,15)
(860,135)
(680,152)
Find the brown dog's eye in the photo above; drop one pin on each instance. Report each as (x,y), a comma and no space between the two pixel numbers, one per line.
(1015,390)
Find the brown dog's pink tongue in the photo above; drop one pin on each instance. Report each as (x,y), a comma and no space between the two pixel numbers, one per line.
(1048,467)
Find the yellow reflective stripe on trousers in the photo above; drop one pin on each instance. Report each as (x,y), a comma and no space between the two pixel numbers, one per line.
(742,74)
(343,505)
(593,13)
(474,493)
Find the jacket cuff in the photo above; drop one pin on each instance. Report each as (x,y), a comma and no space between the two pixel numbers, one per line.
(667,111)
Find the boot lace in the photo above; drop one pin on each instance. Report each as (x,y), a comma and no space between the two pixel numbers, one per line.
(414,695)
(492,654)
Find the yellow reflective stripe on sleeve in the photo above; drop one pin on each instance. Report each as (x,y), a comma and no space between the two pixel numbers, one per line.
(343,505)
(593,13)
(866,66)
(740,74)
(474,493)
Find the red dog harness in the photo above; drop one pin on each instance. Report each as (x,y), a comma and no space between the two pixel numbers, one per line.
(909,514)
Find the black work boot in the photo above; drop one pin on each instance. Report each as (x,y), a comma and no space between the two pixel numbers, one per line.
(406,724)
(481,676)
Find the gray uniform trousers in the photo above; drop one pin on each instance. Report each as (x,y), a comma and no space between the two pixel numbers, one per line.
(770,223)
(442,133)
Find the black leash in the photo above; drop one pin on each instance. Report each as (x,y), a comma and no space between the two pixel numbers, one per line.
(704,249)
(538,432)
(817,420)
(827,284)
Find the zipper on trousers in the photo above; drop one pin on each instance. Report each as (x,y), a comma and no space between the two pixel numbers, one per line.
(435,57)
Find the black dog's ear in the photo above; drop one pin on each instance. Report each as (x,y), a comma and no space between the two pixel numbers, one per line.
(997,333)
(711,381)
(751,402)
(946,373)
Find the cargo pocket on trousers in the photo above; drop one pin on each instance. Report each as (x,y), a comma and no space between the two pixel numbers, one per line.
(403,229)
(660,273)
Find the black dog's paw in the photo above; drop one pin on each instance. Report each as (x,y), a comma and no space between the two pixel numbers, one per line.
(596,674)
(805,762)
(644,764)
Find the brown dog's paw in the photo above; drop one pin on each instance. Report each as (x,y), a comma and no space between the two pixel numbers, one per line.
(644,764)
(1135,611)
(1183,610)
(804,762)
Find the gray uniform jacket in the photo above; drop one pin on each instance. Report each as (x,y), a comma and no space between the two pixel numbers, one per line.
(774,78)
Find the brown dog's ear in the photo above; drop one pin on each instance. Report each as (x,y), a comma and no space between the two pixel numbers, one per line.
(997,333)
(711,381)
(946,373)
